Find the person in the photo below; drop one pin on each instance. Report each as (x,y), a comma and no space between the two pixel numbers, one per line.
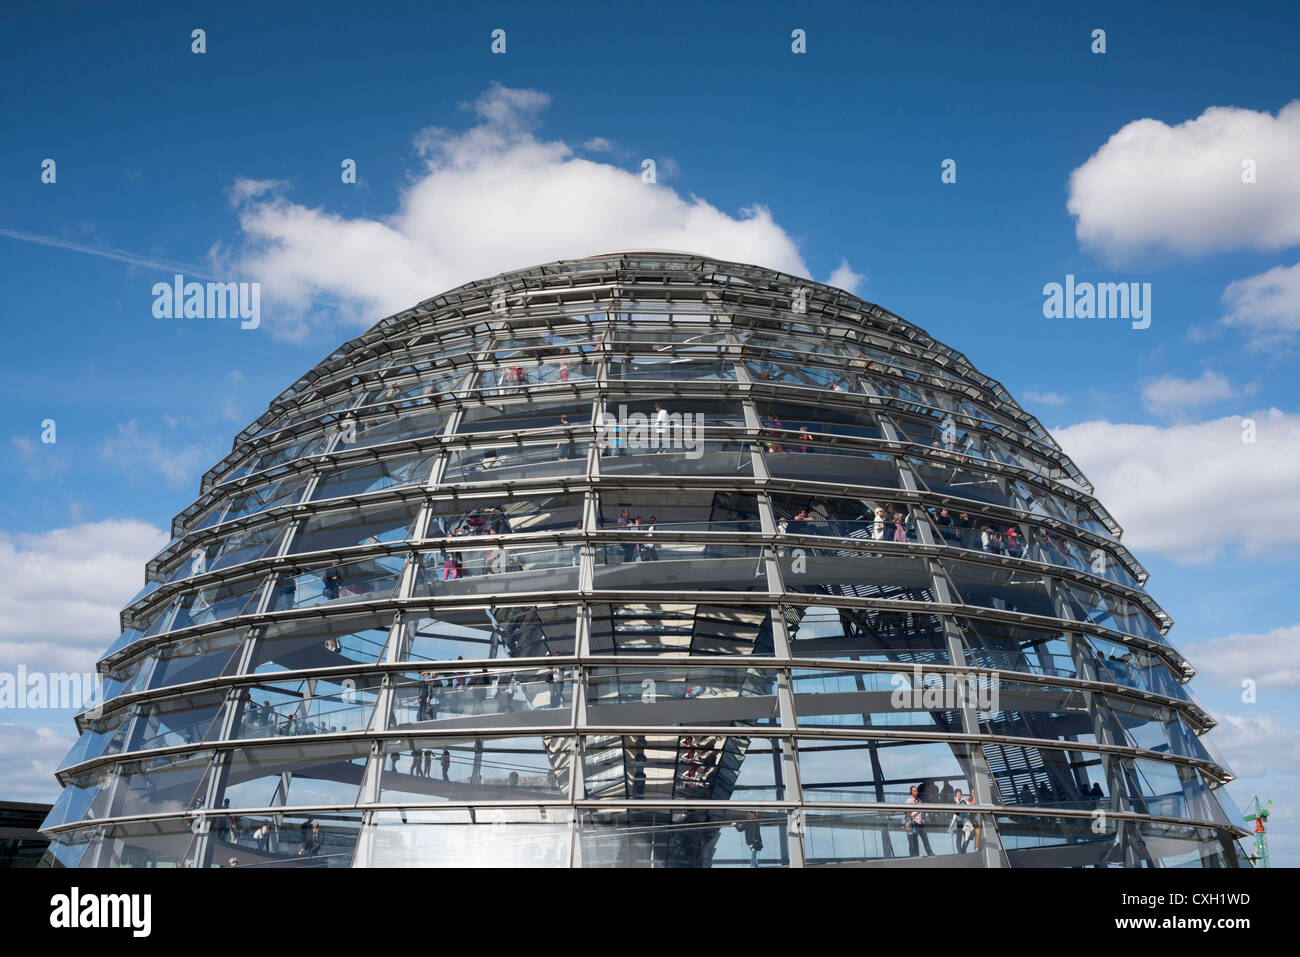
(959,817)
(804,437)
(1014,548)
(749,827)
(986,539)
(661,427)
(878,525)
(564,449)
(311,838)
(261,837)
(946,792)
(505,693)
(970,830)
(288,594)
(233,862)
(332,580)
(914,825)
(1095,793)
(445,761)
(625,525)
(449,571)
(555,681)
(649,553)
(428,761)
(422,700)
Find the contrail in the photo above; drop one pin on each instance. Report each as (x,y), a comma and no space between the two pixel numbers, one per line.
(108,252)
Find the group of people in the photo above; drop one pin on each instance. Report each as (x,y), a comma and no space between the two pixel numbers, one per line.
(645,551)
(962,824)
(267,721)
(888,522)
(422,763)
(466,692)
(310,837)
(961,530)
(1045,793)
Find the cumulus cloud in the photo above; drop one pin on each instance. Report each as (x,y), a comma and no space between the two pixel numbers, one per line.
(1171,394)
(61,591)
(1266,307)
(1171,486)
(1268,658)
(489,198)
(845,278)
(28,758)
(1257,746)
(1153,186)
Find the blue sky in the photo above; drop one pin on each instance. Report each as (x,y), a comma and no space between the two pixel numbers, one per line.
(228,163)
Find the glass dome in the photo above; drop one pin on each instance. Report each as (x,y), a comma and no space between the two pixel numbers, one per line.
(644,560)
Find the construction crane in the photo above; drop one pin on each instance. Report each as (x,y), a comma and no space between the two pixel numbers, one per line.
(1259,815)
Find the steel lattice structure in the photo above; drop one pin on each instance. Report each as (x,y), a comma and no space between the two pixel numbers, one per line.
(412,617)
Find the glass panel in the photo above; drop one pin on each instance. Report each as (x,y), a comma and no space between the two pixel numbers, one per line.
(160,785)
(484,837)
(500,463)
(140,844)
(853,574)
(505,568)
(345,528)
(678,510)
(504,632)
(866,699)
(323,839)
(320,643)
(374,476)
(321,705)
(676,696)
(682,566)
(865,634)
(300,772)
(658,837)
(475,769)
(1006,647)
(701,767)
(854,837)
(679,628)
(880,771)
(366,579)
(495,699)
(466,517)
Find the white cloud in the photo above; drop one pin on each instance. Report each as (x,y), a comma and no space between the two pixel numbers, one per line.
(1266,307)
(1044,398)
(28,758)
(598,144)
(1271,659)
(143,455)
(1153,186)
(1257,746)
(1172,394)
(61,591)
(1175,489)
(490,198)
(845,278)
